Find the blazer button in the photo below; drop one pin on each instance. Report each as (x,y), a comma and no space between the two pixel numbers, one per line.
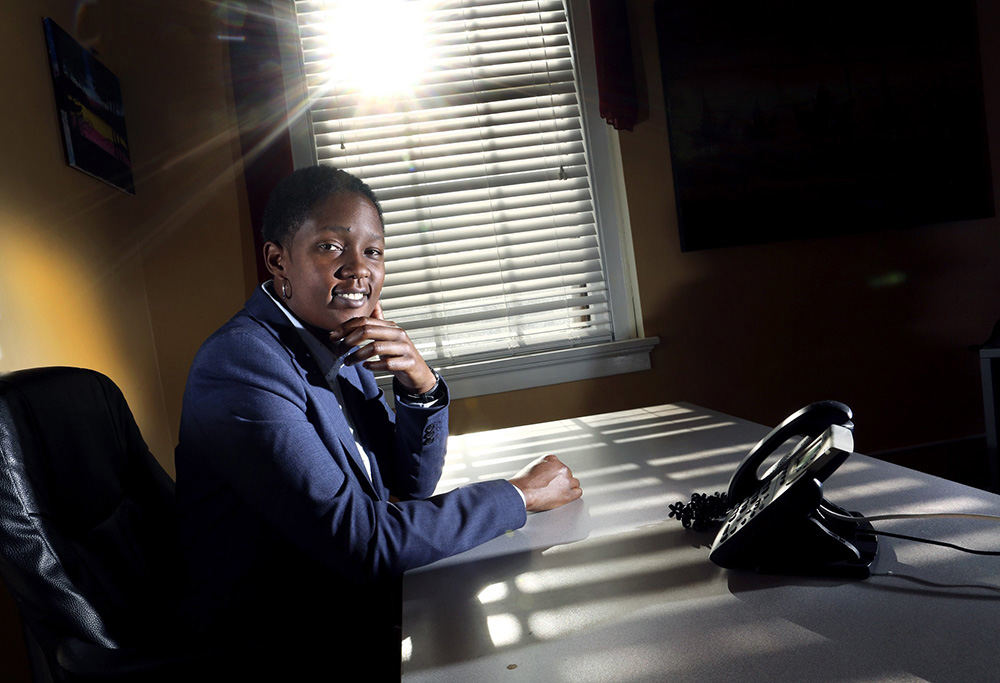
(430,434)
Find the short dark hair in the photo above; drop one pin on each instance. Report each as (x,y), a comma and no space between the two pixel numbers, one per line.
(296,195)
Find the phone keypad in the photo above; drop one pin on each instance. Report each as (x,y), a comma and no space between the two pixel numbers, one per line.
(787,491)
(748,509)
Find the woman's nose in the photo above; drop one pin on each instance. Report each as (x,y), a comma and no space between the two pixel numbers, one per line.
(354,267)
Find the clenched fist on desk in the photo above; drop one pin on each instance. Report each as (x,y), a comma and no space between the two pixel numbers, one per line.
(547,483)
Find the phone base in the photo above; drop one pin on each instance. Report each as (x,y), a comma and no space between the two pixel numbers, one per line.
(822,545)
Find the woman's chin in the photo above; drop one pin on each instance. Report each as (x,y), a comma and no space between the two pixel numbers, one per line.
(339,316)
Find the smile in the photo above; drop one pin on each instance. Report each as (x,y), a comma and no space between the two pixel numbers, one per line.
(351,296)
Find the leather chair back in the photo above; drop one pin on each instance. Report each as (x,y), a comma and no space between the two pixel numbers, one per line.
(88,542)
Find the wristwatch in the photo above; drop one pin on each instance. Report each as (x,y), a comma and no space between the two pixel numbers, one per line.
(436,392)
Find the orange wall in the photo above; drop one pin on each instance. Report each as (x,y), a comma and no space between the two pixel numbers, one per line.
(93,277)
(760,331)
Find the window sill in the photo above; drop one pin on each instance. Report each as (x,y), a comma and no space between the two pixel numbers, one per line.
(541,369)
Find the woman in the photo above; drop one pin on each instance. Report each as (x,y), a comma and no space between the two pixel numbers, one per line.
(303,496)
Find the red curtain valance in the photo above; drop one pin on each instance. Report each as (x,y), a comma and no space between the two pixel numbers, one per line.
(613,54)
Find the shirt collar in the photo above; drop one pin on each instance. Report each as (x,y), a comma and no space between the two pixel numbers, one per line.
(329,364)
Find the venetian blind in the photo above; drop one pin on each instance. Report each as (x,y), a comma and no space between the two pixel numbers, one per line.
(481,169)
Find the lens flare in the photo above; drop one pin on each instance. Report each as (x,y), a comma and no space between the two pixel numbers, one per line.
(378,48)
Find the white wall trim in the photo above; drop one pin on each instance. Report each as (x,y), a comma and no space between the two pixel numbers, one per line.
(543,368)
(630,350)
(607,181)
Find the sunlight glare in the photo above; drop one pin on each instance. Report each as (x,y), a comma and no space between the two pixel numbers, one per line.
(604,471)
(713,452)
(702,471)
(872,490)
(494,592)
(632,504)
(625,416)
(379,47)
(505,629)
(650,425)
(598,572)
(674,432)
(628,484)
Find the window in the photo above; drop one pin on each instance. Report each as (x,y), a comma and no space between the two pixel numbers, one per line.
(465,117)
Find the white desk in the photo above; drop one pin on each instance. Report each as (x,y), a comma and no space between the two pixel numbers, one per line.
(609,589)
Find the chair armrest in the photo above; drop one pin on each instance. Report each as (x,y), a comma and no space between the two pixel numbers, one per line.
(80,660)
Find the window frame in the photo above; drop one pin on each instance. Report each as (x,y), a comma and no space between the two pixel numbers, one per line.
(629,350)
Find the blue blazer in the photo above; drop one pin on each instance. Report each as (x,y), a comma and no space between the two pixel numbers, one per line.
(274,501)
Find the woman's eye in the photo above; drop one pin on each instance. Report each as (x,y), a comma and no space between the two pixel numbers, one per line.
(373,252)
(327,246)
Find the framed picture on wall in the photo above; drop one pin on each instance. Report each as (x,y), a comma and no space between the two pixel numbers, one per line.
(90,108)
(790,119)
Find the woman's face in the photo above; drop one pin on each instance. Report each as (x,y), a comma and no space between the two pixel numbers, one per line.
(334,264)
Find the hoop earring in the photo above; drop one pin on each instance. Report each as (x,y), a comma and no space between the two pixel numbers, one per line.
(286,289)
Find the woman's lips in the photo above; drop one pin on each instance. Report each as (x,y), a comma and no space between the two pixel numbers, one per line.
(349,299)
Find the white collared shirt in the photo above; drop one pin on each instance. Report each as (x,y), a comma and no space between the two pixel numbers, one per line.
(329,365)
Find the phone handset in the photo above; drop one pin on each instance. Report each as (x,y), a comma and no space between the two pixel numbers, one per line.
(807,422)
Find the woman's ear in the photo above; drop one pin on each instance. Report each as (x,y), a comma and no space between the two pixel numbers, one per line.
(274,258)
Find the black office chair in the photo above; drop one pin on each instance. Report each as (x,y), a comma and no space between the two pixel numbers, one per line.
(87,531)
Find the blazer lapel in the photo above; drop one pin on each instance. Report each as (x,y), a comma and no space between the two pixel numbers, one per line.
(313,362)
(331,410)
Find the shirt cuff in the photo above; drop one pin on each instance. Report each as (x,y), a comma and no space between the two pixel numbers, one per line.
(406,400)
(521,493)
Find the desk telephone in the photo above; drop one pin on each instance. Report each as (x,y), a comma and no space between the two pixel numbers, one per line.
(779,522)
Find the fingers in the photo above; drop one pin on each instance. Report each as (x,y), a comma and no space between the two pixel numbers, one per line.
(389,346)
(357,330)
(383,355)
(373,330)
(377,311)
(384,346)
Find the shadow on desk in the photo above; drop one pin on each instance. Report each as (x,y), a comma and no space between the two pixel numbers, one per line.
(514,601)
(906,581)
(931,613)
(609,589)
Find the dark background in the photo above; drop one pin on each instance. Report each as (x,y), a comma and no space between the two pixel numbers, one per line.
(795,119)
